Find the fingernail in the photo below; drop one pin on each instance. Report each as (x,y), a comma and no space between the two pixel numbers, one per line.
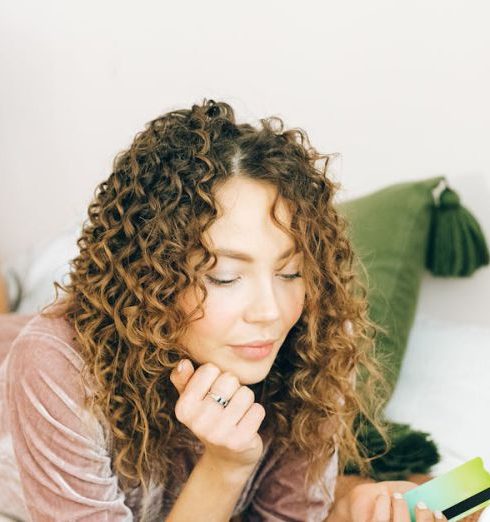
(180,366)
(397,495)
(438,515)
(421,505)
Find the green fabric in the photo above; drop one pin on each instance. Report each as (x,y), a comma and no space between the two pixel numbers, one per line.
(389,230)
(397,232)
(412,451)
(457,245)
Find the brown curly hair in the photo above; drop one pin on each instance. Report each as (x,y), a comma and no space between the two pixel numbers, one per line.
(144,224)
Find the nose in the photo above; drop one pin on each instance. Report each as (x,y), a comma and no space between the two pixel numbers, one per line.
(263,305)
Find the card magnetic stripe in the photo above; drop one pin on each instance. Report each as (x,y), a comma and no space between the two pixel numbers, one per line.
(467,504)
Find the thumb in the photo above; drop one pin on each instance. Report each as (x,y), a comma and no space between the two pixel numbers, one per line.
(181,374)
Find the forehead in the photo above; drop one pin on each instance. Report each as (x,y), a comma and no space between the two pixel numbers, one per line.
(245,206)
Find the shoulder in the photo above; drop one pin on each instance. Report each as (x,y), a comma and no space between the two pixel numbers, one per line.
(43,377)
(45,343)
(61,451)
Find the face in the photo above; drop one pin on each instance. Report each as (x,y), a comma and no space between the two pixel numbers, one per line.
(264,298)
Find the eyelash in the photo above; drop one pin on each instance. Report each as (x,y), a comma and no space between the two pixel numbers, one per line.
(221,282)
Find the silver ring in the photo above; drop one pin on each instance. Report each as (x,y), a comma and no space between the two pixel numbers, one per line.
(218,399)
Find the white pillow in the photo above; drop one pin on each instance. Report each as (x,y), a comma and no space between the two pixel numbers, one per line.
(38,267)
(444,389)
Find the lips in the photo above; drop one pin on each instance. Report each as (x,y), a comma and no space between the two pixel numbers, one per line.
(253,352)
(255,344)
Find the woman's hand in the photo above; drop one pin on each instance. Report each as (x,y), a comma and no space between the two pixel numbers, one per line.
(230,435)
(379,502)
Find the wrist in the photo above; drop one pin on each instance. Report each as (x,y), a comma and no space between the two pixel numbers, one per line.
(231,472)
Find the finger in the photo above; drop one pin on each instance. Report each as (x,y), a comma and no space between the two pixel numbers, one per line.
(225,386)
(382,508)
(401,513)
(180,378)
(206,410)
(251,421)
(241,398)
(198,385)
(422,513)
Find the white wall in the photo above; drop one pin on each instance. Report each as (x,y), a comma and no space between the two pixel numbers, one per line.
(399,89)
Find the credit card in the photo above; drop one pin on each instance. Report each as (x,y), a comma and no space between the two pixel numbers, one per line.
(457,493)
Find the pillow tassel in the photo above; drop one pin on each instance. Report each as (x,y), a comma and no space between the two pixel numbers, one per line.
(457,245)
(409,451)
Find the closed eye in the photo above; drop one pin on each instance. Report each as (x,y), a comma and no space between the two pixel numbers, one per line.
(224,282)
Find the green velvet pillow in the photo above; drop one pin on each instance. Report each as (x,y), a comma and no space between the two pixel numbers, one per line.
(389,230)
(397,233)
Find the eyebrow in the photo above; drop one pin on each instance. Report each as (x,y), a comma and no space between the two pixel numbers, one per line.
(242,256)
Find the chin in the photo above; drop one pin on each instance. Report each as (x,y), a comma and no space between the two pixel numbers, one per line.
(247,378)
(248,373)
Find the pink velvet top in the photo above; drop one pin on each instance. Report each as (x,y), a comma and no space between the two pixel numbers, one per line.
(54,459)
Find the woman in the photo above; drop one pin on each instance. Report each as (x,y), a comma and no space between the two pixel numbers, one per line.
(209,236)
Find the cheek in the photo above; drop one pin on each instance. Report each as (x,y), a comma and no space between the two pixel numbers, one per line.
(221,311)
(220,316)
(296,304)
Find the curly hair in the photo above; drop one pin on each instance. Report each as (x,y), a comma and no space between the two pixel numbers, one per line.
(144,224)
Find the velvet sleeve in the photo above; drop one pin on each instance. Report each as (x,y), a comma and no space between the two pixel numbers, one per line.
(64,467)
(280,494)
